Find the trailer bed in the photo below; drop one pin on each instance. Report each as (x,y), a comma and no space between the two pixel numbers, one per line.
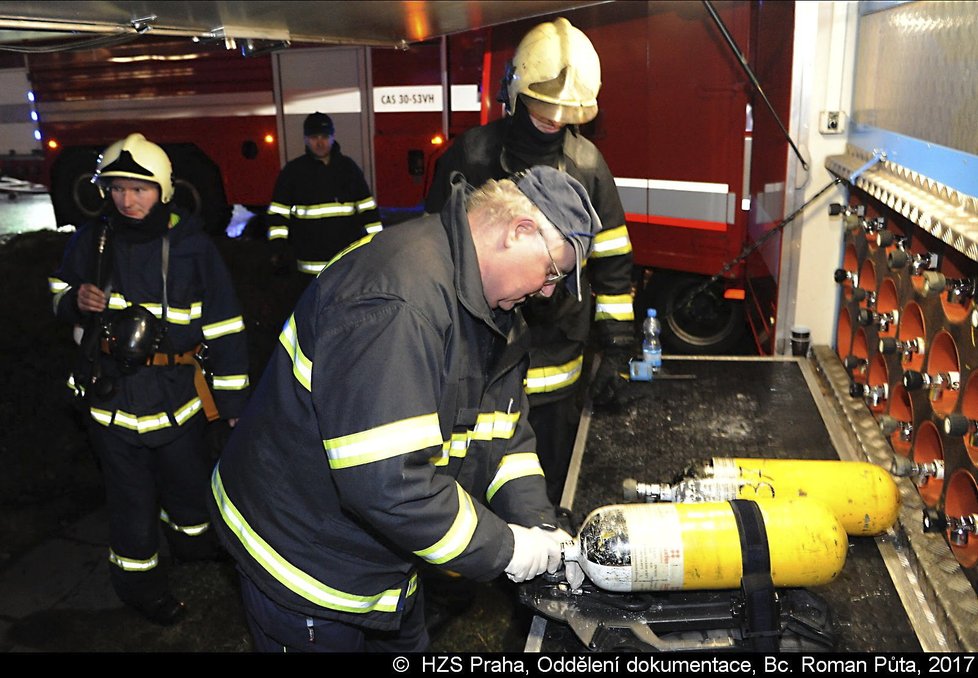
(702,407)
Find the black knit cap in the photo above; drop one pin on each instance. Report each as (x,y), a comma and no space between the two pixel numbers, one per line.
(317,123)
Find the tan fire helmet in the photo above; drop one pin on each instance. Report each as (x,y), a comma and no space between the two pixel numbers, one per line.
(556,68)
(135,158)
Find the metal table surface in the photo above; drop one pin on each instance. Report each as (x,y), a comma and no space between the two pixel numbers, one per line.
(731,407)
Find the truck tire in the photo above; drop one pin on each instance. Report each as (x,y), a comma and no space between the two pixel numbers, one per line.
(75,199)
(705,324)
(197,187)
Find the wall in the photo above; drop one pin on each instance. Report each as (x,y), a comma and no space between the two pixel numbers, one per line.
(907,327)
(812,243)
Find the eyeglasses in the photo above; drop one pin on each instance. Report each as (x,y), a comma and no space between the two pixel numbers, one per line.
(555,276)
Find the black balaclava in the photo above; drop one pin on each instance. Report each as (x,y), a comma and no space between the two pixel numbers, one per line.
(528,145)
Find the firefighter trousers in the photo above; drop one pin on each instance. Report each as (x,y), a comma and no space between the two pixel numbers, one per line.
(278,629)
(145,486)
(555,425)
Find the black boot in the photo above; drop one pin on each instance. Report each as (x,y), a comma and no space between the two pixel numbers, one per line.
(164,611)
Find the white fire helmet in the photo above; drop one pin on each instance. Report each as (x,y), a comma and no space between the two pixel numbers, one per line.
(135,158)
(557,70)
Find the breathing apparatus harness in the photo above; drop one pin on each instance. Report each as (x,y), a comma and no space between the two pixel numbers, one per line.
(134,335)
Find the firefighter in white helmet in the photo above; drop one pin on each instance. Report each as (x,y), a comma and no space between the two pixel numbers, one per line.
(152,292)
(550,88)
(556,68)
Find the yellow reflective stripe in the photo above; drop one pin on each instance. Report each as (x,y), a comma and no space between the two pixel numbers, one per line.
(278,232)
(553,377)
(230,382)
(374,227)
(614,307)
(512,466)
(329,209)
(57,285)
(612,242)
(146,423)
(223,327)
(366,204)
(459,534)
(189,530)
(279,209)
(178,316)
(495,425)
(352,246)
(150,422)
(117,302)
(310,267)
(487,426)
(384,442)
(131,564)
(184,413)
(78,389)
(292,577)
(457,446)
(301,365)
(175,315)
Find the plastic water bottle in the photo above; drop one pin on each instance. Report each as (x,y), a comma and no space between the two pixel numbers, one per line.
(651,346)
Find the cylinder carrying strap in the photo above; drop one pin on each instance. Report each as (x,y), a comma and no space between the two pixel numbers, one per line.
(186,358)
(760,600)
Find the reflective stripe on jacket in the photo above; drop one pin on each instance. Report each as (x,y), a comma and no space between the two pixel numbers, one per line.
(320,208)
(388,429)
(150,405)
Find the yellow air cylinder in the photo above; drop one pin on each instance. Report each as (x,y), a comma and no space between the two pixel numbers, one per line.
(863,496)
(674,547)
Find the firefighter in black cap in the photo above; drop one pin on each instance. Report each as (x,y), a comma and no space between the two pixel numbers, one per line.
(154,297)
(388,432)
(321,203)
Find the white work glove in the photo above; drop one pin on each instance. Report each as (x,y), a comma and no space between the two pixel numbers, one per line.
(534,552)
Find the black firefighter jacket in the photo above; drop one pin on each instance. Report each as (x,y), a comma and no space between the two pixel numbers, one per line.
(559,325)
(388,429)
(321,208)
(150,406)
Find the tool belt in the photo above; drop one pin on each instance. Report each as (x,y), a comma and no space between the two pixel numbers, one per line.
(185,358)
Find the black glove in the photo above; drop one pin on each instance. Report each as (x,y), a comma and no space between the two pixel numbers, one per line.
(609,386)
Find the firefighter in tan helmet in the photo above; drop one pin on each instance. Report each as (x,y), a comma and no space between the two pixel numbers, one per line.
(550,88)
(557,70)
(153,294)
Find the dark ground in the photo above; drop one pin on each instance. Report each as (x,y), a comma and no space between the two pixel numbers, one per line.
(51,490)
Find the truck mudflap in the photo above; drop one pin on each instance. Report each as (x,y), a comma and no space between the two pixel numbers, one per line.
(685,621)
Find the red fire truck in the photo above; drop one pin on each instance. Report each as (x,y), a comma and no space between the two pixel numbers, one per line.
(699,161)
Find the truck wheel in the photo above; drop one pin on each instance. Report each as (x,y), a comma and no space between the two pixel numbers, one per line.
(197,187)
(706,323)
(75,199)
